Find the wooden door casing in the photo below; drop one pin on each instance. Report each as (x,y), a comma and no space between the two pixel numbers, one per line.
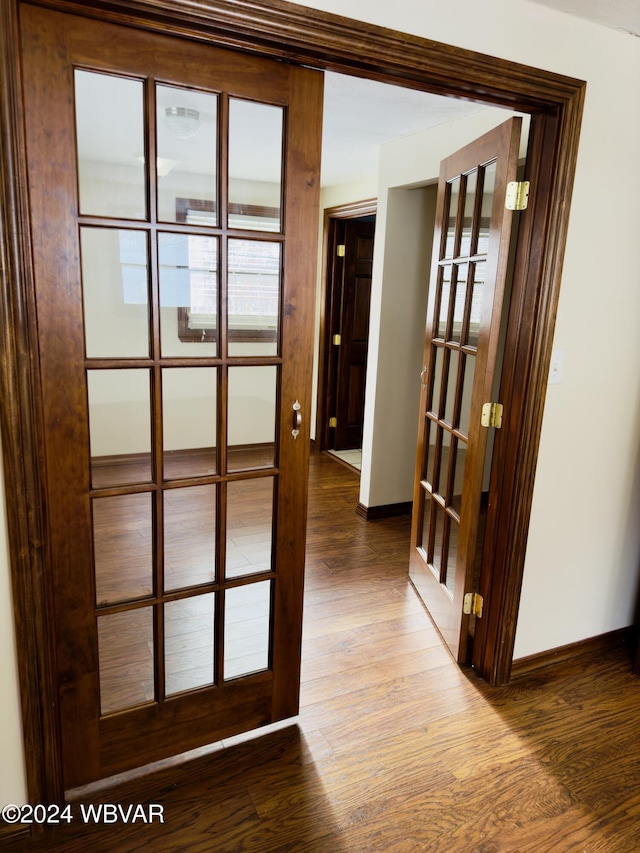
(96,745)
(446,515)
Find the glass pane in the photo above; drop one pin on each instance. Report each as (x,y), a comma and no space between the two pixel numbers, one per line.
(458,308)
(249,526)
(467,221)
(188,274)
(436,467)
(123,548)
(443,473)
(429,450)
(460,457)
(454,193)
(252,417)
(125,654)
(477,297)
(189,536)
(452,554)
(438,355)
(255,165)
(467,392)
(189,410)
(110,140)
(445,295)
(426,525)
(438,561)
(189,629)
(119,426)
(187,155)
(246,629)
(487,205)
(253,297)
(452,385)
(115,293)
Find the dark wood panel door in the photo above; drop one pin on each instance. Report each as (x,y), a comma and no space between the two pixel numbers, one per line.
(468,277)
(355,300)
(171,180)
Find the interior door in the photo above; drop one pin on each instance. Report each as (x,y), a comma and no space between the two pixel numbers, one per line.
(355,301)
(468,275)
(174,199)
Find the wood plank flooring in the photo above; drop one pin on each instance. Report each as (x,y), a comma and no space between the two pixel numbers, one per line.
(396,749)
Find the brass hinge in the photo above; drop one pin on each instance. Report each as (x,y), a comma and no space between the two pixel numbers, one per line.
(517,195)
(492,415)
(341,250)
(333,422)
(473,604)
(337,340)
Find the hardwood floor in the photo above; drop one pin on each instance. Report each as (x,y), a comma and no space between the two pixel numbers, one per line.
(396,749)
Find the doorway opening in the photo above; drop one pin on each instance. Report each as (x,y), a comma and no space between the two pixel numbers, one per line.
(348,245)
(556,105)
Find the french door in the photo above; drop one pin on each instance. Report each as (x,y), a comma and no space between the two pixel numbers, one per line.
(468,275)
(174,198)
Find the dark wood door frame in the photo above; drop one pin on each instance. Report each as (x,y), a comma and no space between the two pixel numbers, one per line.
(332,215)
(295,34)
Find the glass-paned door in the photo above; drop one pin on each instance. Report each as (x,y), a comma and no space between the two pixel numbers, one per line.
(465,306)
(174,225)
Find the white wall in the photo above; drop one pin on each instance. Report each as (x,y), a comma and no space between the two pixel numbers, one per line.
(582,561)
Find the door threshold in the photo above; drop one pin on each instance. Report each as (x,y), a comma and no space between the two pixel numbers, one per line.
(350,458)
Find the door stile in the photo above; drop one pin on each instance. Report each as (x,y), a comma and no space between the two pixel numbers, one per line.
(296,367)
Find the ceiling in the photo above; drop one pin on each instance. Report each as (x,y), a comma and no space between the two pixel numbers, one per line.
(618,14)
(361,115)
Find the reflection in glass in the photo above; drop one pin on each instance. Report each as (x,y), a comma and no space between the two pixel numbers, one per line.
(115,293)
(429,450)
(122,548)
(439,557)
(111,176)
(119,426)
(253,297)
(189,536)
(187,154)
(437,354)
(454,192)
(467,391)
(189,409)
(246,629)
(477,297)
(188,643)
(255,165)
(439,477)
(426,525)
(467,221)
(445,294)
(452,385)
(487,205)
(188,274)
(125,654)
(452,555)
(252,417)
(459,305)
(249,526)
(459,459)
